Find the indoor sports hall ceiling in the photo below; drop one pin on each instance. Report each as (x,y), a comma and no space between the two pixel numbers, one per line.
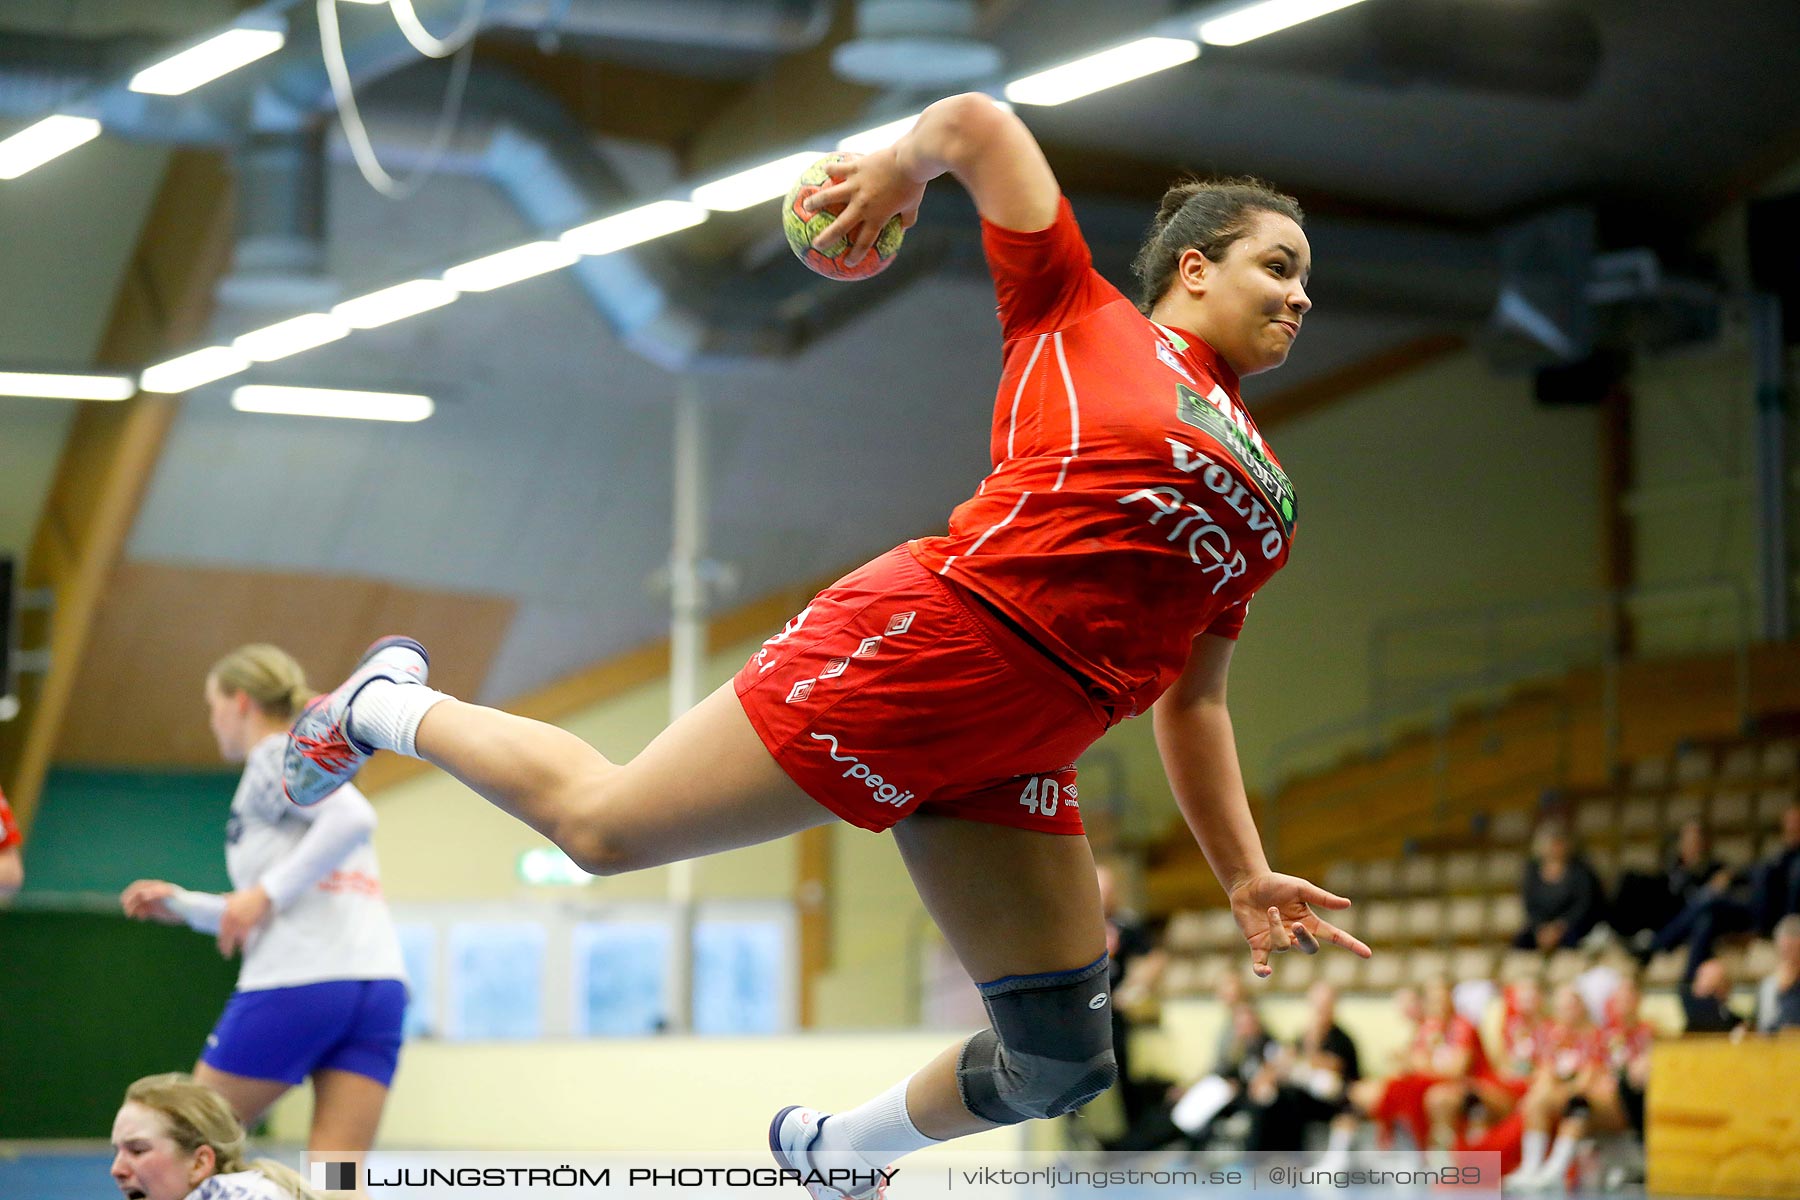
(844,417)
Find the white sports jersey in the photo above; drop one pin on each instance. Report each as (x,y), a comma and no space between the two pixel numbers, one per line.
(337,929)
(239,1185)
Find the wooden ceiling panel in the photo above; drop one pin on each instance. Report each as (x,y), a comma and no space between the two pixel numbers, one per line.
(160,627)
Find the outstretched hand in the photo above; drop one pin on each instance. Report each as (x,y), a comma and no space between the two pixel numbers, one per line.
(866,192)
(148,900)
(1275,912)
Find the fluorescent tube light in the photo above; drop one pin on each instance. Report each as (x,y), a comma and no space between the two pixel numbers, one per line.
(189,371)
(37,144)
(736,192)
(331,402)
(1096,72)
(637,225)
(67,387)
(510,266)
(395,303)
(219,55)
(1269,16)
(289,337)
(879,137)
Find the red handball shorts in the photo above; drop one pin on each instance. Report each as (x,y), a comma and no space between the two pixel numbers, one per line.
(895,692)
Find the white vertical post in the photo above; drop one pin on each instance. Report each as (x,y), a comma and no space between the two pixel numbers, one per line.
(687,649)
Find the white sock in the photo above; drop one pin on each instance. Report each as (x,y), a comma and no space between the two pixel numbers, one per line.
(1342,1137)
(1532,1151)
(386,714)
(877,1132)
(1556,1167)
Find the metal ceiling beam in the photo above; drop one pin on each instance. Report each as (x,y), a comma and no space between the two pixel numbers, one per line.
(111,452)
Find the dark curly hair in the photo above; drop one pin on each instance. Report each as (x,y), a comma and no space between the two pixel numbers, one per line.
(1204,215)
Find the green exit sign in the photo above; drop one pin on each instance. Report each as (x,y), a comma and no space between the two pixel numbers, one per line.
(546,866)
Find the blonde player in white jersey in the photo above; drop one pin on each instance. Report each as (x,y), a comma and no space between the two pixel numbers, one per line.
(175,1139)
(322,988)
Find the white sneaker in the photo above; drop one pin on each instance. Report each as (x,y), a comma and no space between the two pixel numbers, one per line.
(791,1136)
(321,756)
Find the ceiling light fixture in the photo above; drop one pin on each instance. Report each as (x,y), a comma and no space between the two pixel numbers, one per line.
(395,303)
(216,56)
(640,224)
(45,386)
(191,370)
(510,266)
(37,144)
(289,337)
(331,402)
(1096,72)
(735,193)
(1269,16)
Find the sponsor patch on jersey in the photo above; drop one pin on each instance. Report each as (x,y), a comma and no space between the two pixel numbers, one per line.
(1194,409)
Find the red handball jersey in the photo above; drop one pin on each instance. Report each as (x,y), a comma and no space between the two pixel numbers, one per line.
(1623,1043)
(1444,1042)
(1133,505)
(9,828)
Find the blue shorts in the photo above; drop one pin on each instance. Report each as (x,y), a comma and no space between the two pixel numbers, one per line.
(288,1033)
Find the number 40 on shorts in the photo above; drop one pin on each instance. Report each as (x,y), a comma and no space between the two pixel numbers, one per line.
(1042,796)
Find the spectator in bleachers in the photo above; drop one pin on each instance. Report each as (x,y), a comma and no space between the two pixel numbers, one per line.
(1644,904)
(1751,900)
(1778,998)
(1706,1000)
(1304,1085)
(1562,894)
(1188,1114)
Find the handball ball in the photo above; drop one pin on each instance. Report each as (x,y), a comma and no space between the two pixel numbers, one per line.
(802,227)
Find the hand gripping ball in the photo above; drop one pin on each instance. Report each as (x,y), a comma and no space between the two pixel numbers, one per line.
(802,227)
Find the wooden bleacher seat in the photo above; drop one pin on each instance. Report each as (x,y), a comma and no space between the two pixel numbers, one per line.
(1505,870)
(1474,962)
(1781,760)
(1642,857)
(1419,875)
(1468,918)
(1510,827)
(1425,964)
(1506,917)
(1649,774)
(1692,767)
(1380,922)
(1731,809)
(1343,877)
(1462,872)
(1185,933)
(1735,851)
(1597,822)
(1343,971)
(1640,816)
(1387,970)
(1682,808)
(1423,922)
(1380,877)
(1740,764)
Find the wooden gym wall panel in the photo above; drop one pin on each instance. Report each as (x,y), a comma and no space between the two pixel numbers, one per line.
(1722,1118)
(161,626)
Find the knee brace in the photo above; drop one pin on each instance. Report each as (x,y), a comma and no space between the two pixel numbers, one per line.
(1048,1049)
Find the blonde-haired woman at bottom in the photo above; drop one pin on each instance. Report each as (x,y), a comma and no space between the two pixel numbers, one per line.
(322,988)
(176,1139)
